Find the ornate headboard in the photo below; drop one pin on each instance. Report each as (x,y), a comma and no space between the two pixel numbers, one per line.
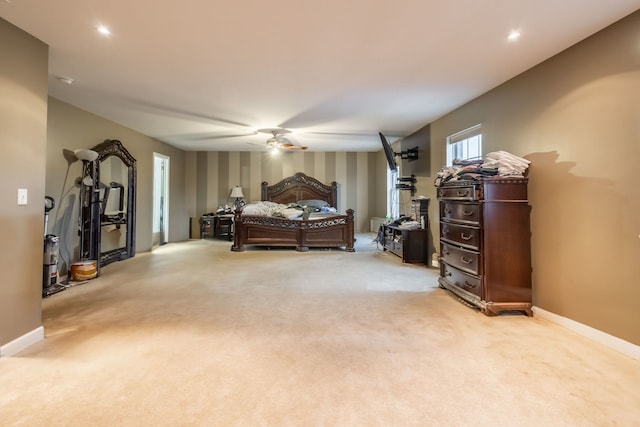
(300,187)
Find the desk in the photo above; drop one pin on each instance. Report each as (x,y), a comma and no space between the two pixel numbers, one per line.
(217,225)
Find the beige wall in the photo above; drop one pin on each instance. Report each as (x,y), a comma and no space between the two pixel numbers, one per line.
(70,128)
(217,172)
(577,118)
(23,132)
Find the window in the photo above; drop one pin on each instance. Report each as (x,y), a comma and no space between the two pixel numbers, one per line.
(393,204)
(465,145)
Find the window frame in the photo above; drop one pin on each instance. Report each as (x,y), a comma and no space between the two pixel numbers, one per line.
(460,141)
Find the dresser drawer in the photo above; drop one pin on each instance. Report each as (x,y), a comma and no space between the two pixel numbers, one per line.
(468,213)
(463,235)
(461,258)
(467,192)
(462,280)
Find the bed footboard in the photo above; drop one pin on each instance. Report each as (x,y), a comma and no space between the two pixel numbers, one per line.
(332,232)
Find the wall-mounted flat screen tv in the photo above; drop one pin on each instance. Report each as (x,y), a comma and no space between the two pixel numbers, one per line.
(388,152)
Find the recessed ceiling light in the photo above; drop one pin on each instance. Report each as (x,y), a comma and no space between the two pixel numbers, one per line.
(104,30)
(513,35)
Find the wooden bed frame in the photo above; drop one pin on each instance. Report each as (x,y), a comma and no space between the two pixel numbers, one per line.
(332,232)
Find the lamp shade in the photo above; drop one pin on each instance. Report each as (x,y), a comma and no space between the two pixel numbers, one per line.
(85,155)
(237,192)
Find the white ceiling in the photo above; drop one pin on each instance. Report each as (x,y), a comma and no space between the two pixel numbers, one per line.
(206,74)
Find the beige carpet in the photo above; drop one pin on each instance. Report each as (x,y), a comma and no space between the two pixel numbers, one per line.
(195,335)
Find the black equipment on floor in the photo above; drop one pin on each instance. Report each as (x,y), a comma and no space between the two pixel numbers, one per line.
(50,284)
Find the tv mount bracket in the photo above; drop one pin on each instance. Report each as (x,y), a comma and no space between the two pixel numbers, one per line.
(402,183)
(410,154)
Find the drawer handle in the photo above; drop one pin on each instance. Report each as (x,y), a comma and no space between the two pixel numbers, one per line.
(448,273)
(467,213)
(462,193)
(447,211)
(469,285)
(445,231)
(445,252)
(466,260)
(465,237)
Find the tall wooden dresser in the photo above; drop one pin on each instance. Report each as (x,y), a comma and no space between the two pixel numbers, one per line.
(485,249)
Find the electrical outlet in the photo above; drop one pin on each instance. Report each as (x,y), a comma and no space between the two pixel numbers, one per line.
(22,196)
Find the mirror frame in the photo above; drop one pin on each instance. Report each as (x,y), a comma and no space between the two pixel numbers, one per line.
(113,147)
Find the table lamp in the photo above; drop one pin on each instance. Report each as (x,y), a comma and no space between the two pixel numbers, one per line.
(236,192)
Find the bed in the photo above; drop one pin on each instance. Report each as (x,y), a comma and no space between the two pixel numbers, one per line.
(330,230)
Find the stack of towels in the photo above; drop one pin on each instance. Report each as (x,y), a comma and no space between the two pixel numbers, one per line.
(506,163)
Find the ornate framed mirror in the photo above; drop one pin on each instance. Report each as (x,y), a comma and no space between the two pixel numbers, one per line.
(114,194)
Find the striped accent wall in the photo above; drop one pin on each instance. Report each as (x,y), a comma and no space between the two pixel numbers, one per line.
(355,172)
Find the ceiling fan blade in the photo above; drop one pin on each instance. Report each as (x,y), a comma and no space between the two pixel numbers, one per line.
(211,137)
(290,146)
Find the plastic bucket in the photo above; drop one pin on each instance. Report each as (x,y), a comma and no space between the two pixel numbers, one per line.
(83,270)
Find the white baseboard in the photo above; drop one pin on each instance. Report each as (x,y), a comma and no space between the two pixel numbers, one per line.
(435,260)
(596,335)
(22,342)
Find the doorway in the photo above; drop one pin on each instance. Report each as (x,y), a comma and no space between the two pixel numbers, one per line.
(160,235)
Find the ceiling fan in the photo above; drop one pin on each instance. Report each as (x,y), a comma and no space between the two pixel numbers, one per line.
(278,141)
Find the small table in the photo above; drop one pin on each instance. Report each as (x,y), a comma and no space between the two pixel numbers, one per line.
(206,226)
(217,225)
(408,244)
(224,226)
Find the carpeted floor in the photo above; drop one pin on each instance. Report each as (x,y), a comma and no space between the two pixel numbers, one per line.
(193,334)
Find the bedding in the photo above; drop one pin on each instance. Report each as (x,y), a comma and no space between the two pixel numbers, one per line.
(298,211)
(314,205)
(289,211)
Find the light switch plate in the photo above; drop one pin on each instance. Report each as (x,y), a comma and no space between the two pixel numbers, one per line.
(22,196)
